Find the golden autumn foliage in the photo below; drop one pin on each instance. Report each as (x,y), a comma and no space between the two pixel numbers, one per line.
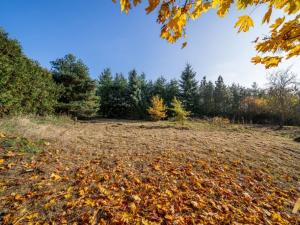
(157,110)
(282,42)
(254,104)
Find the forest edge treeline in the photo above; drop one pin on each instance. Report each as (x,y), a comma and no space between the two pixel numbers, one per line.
(27,88)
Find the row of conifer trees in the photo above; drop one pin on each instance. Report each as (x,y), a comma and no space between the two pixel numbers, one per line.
(27,88)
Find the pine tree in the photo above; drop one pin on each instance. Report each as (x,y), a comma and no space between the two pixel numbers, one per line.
(172,90)
(104,87)
(236,95)
(135,95)
(189,89)
(159,87)
(157,110)
(181,114)
(118,101)
(79,91)
(208,99)
(203,84)
(220,97)
(146,94)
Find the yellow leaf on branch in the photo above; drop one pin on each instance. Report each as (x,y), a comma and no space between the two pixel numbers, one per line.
(152,5)
(244,23)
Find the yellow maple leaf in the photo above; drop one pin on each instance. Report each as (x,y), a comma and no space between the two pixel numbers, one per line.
(224,6)
(1,161)
(244,23)
(152,5)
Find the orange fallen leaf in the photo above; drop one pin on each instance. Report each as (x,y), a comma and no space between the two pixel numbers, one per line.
(55,177)
(132,207)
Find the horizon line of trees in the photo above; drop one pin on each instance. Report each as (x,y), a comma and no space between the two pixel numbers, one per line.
(26,87)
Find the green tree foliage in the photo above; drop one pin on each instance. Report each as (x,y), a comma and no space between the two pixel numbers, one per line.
(172,91)
(25,87)
(105,83)
(159,87)
(220,97)
(236,95)
(78,90)
(207,97)
(135,95)
(189,89)
(181,114)
(118,97)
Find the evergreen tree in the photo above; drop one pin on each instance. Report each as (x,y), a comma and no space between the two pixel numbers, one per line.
(172,91)
(159,87)
(146,92)
(25,87)
(220,97)
(135,95)
(208,99)
(189,89)
(202,108)
(118,98)
(79,91)
(237,94)
(105,83)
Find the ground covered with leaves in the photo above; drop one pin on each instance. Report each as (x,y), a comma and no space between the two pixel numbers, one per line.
(120,172)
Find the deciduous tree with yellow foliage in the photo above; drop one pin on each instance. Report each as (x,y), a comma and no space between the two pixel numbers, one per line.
(181,114)
(282,42)
(158,109)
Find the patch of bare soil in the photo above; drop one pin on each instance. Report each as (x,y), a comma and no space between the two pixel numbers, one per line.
(121,172)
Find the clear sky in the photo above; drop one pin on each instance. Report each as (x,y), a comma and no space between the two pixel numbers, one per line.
(96,32)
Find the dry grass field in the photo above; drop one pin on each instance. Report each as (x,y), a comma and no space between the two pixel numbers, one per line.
(128,172)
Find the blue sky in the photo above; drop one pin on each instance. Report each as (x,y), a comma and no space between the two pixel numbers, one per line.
(96,32)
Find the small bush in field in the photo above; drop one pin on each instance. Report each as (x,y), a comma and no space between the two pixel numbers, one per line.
(157,110)
(220,121)
(180,113)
